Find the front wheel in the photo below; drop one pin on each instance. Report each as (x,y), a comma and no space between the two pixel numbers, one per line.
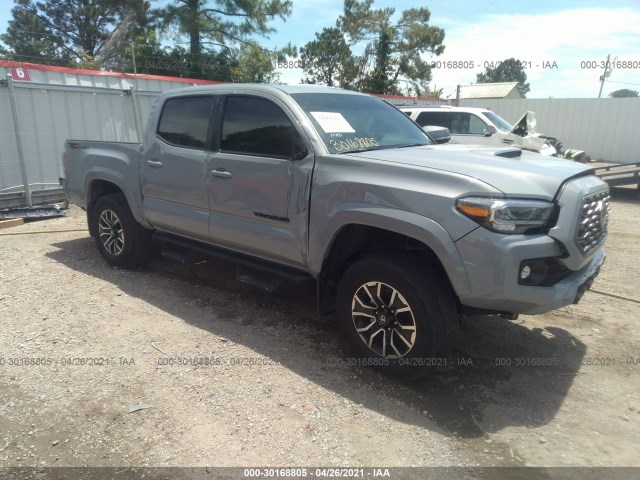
(121,240)
(397,313)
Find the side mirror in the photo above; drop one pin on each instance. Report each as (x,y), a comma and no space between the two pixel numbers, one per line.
(437,134)
(489,130)
(298,147)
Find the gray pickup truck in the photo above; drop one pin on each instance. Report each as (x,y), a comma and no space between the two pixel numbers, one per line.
(401,236)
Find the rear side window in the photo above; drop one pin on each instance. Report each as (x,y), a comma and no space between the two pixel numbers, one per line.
(256,126)
(459,123)
(463,123)
(185,121)
(436,119)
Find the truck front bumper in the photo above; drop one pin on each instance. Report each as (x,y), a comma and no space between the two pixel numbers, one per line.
(494,264)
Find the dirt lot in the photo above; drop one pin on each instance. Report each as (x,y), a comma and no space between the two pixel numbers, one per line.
(83,344)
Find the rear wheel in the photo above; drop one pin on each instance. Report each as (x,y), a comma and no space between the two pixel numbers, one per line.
(398,314)
(121,240)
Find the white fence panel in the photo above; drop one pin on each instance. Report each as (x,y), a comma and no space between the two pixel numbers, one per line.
(606,128)
(55,105)
(10,174)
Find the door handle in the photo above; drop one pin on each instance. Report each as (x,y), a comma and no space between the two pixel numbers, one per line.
(222,173)
(154,163)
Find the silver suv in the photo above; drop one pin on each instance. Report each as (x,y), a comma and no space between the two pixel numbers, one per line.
(479,126)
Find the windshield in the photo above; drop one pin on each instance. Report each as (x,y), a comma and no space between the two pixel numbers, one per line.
(355,123)
(498,121)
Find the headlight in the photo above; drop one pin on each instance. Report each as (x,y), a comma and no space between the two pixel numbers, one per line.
(505,215)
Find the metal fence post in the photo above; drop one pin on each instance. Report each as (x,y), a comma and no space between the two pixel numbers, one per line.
(136,114)
(16,127)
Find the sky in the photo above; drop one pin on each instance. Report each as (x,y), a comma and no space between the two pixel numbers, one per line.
(562,43)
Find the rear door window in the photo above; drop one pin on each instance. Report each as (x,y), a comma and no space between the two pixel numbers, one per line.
(184,121)
(436,119)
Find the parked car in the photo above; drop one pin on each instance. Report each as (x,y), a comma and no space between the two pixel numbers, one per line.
(400,235)
(479,126)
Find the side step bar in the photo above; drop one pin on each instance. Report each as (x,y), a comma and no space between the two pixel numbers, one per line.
(260,273)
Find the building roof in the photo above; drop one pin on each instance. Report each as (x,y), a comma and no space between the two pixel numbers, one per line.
(490,90)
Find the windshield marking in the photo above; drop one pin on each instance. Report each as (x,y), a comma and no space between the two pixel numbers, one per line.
(333,122)
(353,143)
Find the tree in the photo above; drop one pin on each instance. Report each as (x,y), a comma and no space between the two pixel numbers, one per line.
(222,22)
(137,29)
(220,33)
(393,51)
(27,37)
(327,59)
(624,92)
(254,64)
(382,78)
(510,70)
(101,34)
(67,32)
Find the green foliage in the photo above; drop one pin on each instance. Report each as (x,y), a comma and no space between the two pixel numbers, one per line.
(221,22)
(510,70)
(328,59)
(623,93)
(28,37)
(248,64)
(136,26)
(106,34)
(254,65)
(69,32)
(381,79)
(393,50)
(220,45)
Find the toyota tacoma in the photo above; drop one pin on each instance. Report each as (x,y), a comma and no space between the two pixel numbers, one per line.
(400,235)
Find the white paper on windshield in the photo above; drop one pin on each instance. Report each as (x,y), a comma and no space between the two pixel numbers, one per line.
(333,122)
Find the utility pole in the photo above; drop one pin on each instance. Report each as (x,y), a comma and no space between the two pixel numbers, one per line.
(605,75)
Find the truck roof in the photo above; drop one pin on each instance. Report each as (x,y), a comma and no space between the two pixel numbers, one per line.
(247,87)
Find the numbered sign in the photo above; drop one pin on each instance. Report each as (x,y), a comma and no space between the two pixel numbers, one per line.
(21,74)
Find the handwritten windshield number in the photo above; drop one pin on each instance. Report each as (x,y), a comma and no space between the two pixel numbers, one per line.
(353,144)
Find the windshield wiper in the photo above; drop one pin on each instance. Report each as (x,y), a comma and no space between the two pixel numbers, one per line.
(386,147)
(411,145)
(360,150)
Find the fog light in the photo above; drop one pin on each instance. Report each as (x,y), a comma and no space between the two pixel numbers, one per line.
(541,272)
(525,272)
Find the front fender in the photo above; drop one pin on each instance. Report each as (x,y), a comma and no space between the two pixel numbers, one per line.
(409,224)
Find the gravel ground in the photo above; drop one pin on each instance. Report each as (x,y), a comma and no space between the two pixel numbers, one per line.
(92,370)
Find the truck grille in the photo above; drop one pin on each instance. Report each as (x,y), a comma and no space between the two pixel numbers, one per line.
(594,218)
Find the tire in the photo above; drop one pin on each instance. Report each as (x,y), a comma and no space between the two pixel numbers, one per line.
(422,311)
(121,240)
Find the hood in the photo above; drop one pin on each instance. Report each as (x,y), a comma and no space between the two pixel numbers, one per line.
(530,175)
(524,135)
(526,125)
